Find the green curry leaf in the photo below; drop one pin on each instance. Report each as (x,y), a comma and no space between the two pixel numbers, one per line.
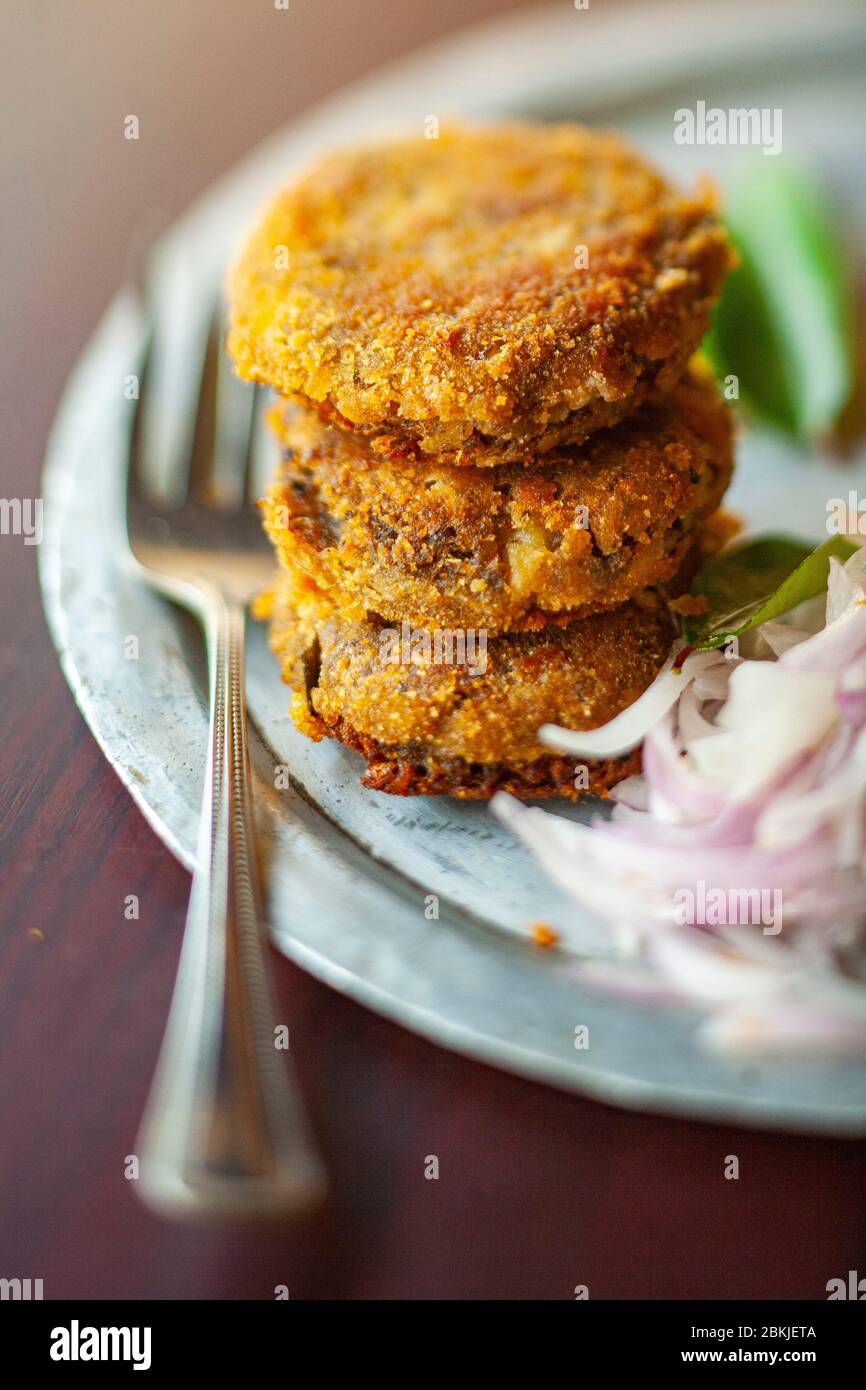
(783,327)
(759,580)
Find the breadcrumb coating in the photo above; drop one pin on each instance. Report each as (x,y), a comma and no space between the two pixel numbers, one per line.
(430,727)
(498,291)
(502,549)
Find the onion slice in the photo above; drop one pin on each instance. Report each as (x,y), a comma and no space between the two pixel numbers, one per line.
(749,820)
(628,728)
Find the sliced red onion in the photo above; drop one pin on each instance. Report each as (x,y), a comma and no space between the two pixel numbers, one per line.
(779,637)
(771,714)
(753,797)
(784,1027)
(852,706)
(712,681)
(627,729)
(701,969)
(641,986)
(833,648)
(845,584)
(668,773)
(631,794)
(692,722)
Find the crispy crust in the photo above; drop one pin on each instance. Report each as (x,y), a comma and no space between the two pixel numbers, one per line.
(432,293)
(427,727)
(403,772)
(504,549)
(454,446)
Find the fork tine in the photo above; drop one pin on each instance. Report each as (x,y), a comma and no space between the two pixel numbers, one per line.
(181,291)
(223,423)
(136,476)
(263,456)
(204,436)
(237,408)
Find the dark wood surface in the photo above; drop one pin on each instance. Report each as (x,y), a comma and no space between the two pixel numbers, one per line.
(538,1191)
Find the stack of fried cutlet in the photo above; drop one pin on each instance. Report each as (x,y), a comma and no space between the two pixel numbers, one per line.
(498,463)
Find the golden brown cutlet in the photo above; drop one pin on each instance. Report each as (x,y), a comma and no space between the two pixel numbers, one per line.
(465,727)
(496,292)
(502,549)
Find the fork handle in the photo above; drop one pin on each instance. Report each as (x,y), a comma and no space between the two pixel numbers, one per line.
(224,1130)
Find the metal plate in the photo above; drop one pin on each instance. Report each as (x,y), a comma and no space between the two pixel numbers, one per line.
(350,872)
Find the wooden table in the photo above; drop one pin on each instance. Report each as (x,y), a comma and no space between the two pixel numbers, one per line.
(538,1192)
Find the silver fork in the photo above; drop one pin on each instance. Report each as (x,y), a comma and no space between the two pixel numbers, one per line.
(224,1131)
